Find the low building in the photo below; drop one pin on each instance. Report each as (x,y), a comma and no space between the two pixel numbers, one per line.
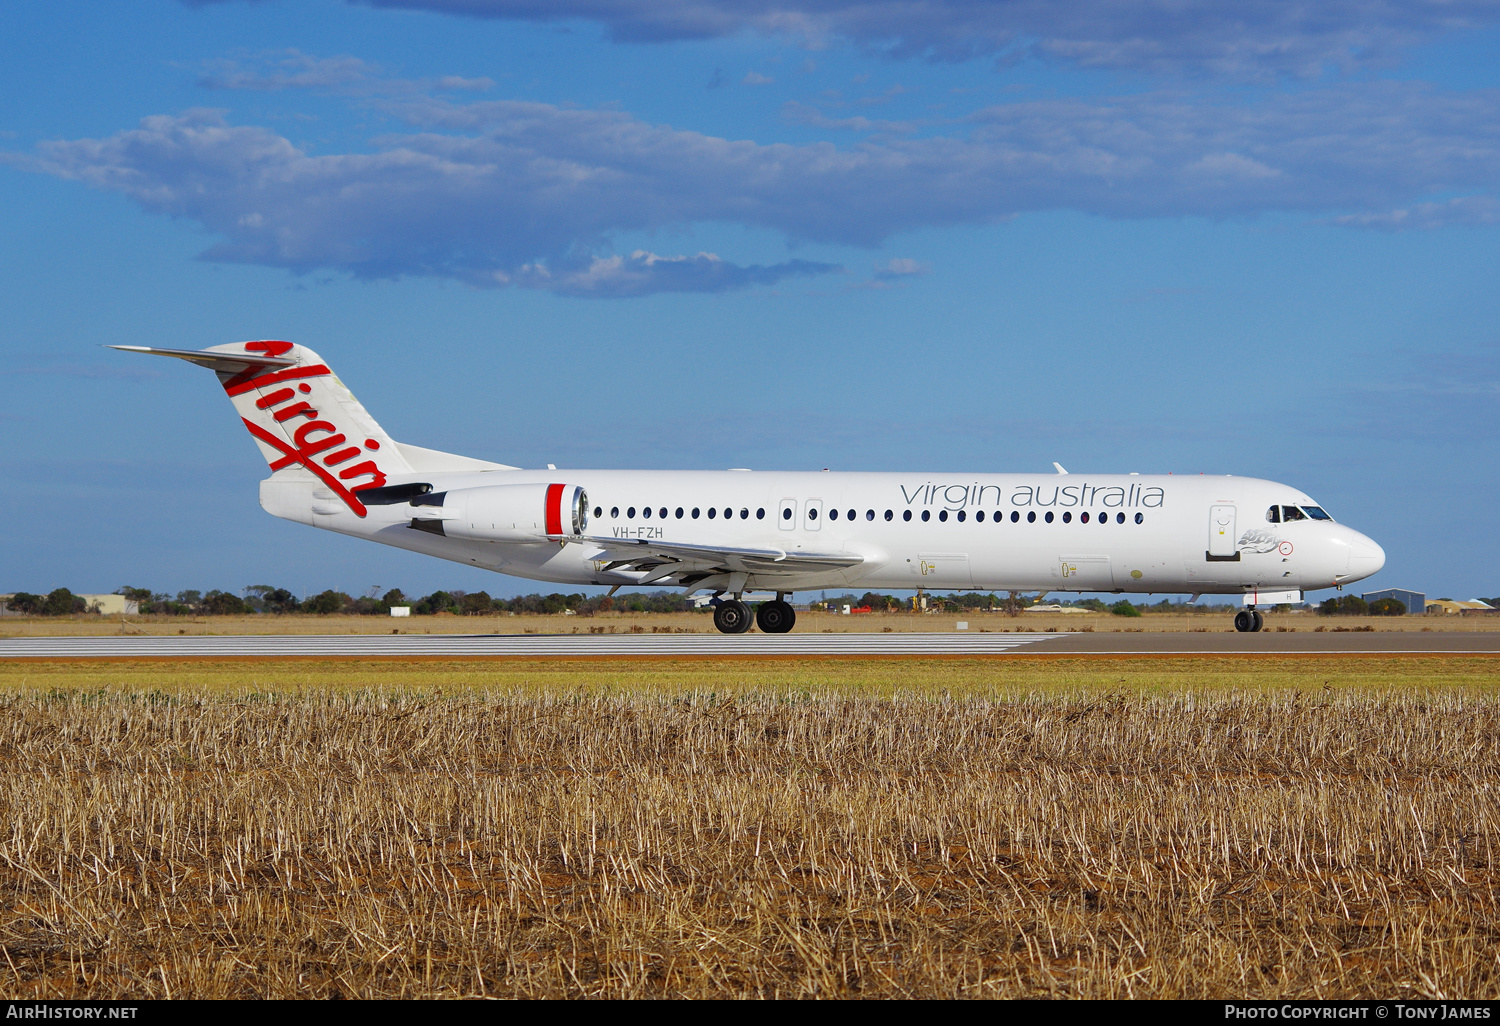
(1452,608)
(1414,601)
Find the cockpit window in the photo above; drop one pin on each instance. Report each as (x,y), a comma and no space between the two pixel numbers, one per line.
(1274,514)
(1290,513)
(1316,512)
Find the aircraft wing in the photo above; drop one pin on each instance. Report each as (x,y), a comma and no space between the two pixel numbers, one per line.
(690,563)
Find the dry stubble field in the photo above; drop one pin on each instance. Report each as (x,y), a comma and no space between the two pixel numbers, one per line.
(955,828)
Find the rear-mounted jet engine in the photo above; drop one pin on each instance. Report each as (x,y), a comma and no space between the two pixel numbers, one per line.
(504,513)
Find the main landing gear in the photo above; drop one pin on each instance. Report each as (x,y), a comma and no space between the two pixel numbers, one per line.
(733,616)
(775,617)
(1248,621)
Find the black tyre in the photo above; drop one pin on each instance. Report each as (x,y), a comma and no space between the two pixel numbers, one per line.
(775,617)
(732,617)
(1260,621)
(1244,621)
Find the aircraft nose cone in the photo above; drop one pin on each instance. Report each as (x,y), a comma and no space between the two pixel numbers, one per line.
(1365,557)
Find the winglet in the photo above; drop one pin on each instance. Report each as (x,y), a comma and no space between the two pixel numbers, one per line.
(1059,467)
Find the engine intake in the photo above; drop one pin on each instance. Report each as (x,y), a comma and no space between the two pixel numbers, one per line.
(505,513)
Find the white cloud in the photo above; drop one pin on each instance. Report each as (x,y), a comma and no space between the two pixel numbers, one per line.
(491,191)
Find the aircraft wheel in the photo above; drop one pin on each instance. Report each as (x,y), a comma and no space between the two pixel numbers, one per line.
(776,617)
(732,617)
(1244,621)
(1260,621)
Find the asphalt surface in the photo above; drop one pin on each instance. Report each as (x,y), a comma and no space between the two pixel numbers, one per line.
(355,646)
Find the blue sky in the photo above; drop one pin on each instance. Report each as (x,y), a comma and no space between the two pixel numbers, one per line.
(928,234)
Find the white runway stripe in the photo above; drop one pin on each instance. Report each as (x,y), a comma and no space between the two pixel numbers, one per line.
(518,645)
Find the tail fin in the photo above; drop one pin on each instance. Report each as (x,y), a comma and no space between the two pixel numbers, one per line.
(301,415)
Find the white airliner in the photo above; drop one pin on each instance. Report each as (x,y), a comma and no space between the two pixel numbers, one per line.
(732,531)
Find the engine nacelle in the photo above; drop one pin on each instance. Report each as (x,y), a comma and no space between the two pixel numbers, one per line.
(505,513)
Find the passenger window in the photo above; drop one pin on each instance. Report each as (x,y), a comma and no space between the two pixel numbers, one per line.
(1067,518)
(812,514)
(679,512)
(926,515)
(712,512)
(744,514)
(833,514)
(1083,518)
(869,514)
(630,513)
(1031,517)
(728,513)
(663,512)
(786,514)
(598,512)
(646,513)
(1015,516)
(1274,514)
(1119,518)
(854,514)
(979,517)
(1049,516)
(760,514)
(614,512)
(695,512)
(906,514)
(889,515)
(962,516)
(943,516)
(1140,518)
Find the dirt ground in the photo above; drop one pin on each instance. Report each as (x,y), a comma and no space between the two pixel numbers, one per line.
(646,623)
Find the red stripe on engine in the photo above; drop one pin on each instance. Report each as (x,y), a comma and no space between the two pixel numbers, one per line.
(554,508)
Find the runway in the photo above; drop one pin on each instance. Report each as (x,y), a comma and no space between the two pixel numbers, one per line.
(606,646)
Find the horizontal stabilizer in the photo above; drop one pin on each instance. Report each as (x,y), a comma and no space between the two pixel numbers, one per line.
(224,363)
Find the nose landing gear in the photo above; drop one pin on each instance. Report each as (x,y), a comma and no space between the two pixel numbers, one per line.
(1248,621)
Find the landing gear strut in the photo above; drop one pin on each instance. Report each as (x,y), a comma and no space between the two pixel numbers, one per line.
(1248,621)
(732,617)
(775,617)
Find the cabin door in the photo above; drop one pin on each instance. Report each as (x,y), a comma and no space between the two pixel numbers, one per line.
(1221,532)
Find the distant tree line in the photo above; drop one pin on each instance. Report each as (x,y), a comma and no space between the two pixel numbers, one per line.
(265,599)
(60,602)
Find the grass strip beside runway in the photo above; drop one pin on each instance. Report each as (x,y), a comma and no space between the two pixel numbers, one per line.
(1011,677)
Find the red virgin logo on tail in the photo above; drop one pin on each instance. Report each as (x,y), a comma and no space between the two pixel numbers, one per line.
(319,445)
(270,347)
